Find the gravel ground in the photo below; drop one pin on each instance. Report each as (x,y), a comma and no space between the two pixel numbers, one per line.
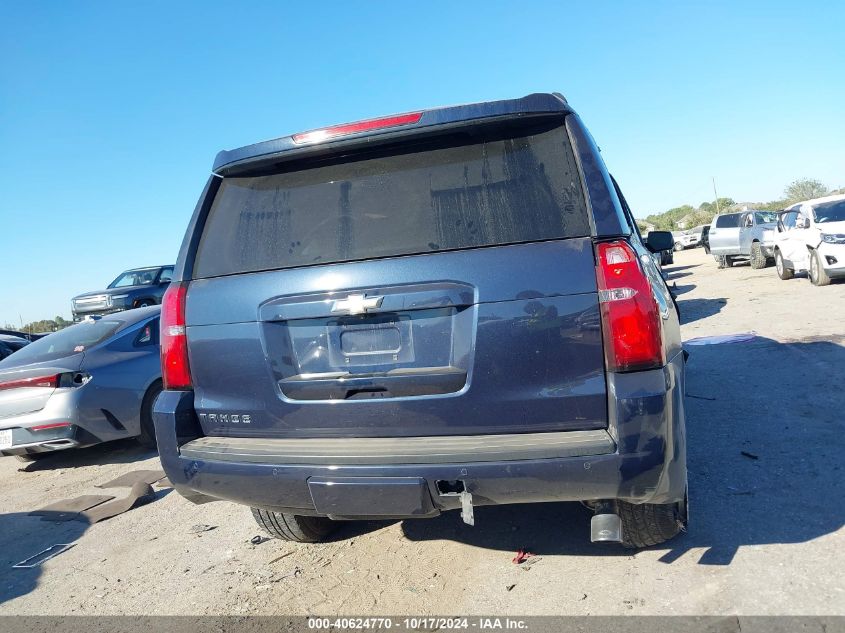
(766,535)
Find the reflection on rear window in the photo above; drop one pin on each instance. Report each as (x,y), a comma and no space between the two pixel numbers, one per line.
(727,221)
(76,338)
(492,191)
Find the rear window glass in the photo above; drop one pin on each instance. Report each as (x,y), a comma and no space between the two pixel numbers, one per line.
(74,339)
(490,191)
(727,221)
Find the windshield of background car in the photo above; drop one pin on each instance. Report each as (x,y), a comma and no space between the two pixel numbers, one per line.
(490,188)
(728,221)
(829,212)
(134,278)
(74,339)
(765,217)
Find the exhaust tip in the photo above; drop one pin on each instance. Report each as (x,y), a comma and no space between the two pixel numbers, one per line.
(606,528)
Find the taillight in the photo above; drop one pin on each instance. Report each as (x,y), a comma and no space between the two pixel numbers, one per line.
(315,136)
(630,318)
(175,372)
(36,381)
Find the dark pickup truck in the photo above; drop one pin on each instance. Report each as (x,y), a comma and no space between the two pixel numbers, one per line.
(136,288)
(424,312)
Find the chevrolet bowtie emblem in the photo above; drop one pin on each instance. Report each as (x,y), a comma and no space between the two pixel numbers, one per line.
(357,304)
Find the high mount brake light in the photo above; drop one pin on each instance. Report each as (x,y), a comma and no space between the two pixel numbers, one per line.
(633,338)
(36,381)
(175,371)
(324,134)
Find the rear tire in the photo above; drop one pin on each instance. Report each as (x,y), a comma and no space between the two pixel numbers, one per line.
(647,524)
(147,436)
(293,527)
(818,275)
(758,258)
(783,272)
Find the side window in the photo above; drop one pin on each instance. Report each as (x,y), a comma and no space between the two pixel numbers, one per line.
(748,220)
(789,220)
(629,215)
(148,335)
(166,275)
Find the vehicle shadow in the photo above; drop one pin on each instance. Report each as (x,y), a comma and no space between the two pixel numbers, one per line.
(22,536)
(674,269)
(763,453)
(116,452)
(695,309)
(682,289)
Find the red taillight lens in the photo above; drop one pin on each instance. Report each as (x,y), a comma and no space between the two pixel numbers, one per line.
(315,136)
(37,381)
(175,372)
(631,327)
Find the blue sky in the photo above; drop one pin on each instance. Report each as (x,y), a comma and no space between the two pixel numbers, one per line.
(111,113)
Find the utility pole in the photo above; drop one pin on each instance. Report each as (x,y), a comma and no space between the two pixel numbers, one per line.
(718,210)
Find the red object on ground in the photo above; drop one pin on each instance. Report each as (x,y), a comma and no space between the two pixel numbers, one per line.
(521,556)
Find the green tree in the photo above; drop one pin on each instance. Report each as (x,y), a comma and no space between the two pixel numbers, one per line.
(804,189)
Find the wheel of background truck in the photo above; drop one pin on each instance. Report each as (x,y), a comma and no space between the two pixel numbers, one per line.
(145,303)
(783,271)
(647,524)
(679,246)
(758,259)
(721,261)
(818,275)
(294,527)
(147,436)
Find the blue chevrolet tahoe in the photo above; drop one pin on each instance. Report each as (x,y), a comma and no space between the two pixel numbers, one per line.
(424,312)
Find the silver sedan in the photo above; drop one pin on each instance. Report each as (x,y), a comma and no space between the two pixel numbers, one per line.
(92,382)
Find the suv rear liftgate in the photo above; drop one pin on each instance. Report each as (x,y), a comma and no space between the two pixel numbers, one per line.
(403,316)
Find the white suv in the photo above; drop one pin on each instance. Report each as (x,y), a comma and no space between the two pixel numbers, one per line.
(811,237)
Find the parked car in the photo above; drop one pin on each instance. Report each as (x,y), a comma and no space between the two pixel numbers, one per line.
(136,288)
(705,238)
(89,383)
(811,237)
(697,233)
(749,234)
(10,344)
(370,320)
(685,239)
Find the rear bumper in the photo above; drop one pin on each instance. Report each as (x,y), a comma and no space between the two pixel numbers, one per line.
(62,407)
(640,458)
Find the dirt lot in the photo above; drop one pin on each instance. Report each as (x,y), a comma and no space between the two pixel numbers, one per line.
(766,535)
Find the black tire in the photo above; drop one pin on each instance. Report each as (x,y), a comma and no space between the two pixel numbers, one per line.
(293,527)
(818,275)
(679,246)
(783,272)
(647,524)
(147,437)
(758,258)
(145,303)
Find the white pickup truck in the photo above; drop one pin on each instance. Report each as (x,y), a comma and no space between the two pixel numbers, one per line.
(811,237)
(749,234)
